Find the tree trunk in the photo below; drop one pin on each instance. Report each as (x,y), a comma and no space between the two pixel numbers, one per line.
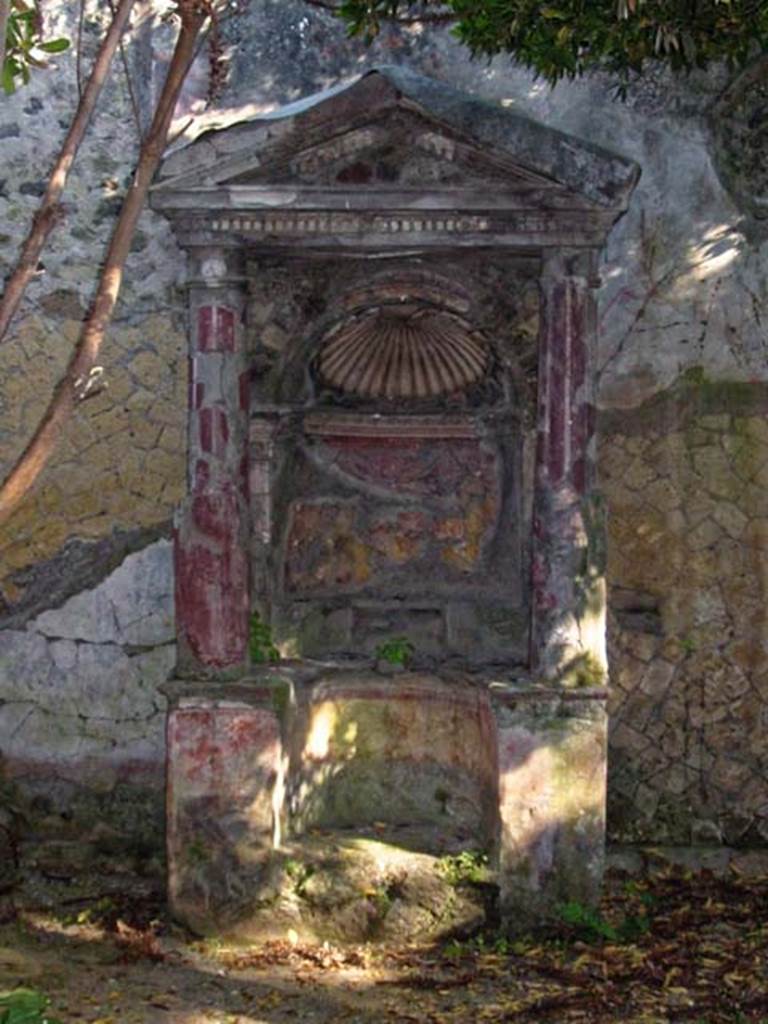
(48,212)
(75,383)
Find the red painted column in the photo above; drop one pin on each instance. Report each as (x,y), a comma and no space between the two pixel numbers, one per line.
(568,588)
(212,528)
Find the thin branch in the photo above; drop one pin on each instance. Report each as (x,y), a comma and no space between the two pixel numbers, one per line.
(131,91)
(49,211)
(81,371)
(180,131)
(129,82)
(79,54)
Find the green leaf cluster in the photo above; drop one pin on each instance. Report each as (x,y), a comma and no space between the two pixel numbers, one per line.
(470,867)
(24,1006)
(25,47)
(261,645)
(590,926)
(566,38)
(396,651)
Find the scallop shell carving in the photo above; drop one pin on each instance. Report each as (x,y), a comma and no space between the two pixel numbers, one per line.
(402,352)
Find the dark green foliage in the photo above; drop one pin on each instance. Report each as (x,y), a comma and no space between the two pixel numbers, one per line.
(24,1006)
(565,38)
(396,651)
(261,645)
(589,925)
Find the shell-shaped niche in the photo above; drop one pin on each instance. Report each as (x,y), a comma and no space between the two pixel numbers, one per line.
(402,352)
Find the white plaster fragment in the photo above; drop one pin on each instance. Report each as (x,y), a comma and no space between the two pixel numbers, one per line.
(134,605)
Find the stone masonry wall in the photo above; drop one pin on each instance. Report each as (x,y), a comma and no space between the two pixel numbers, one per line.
(118,471)
(683,344)
(81,719)
(686,474)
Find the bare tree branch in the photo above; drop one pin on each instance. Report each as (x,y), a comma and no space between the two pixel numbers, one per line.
(129,82)
(82,370)
(79,54)
(49,213)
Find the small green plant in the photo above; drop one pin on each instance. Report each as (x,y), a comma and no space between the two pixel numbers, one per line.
(588,923)
(299,874)
(493,943)
(455,949)
(261,645)
(688,644)
(590,926)
(24,1006)
(381,899)
(398,650)
(639,892)
(196,852)
(470,867)
(96,913)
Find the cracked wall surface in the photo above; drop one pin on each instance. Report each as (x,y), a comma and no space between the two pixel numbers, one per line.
(687,476)
(81,716)
(683,309)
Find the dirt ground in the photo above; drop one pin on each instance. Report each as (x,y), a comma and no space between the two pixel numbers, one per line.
(678,947)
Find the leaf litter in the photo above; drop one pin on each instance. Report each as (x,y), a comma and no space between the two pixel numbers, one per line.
(676,947)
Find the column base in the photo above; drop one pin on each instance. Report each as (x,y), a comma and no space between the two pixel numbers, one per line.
(552,750)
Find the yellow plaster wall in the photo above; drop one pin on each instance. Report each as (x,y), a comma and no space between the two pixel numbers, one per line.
(120,461)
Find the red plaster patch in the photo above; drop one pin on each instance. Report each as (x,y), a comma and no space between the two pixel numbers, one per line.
(221,749)
(215,329)
(212,580)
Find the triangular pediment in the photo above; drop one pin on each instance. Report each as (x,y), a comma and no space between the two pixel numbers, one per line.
(394,128)
(400,148)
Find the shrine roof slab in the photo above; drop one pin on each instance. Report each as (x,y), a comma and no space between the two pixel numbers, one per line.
(317,154)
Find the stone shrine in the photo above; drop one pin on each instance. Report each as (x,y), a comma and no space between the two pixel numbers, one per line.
(405,464)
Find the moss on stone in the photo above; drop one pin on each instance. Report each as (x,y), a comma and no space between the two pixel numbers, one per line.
(281,697)
(584,671)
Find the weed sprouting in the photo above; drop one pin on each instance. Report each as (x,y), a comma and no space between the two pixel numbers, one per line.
(261,646)
(398,650)
(470,867)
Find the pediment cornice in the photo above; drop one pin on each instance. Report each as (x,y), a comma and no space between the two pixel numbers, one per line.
(390,161)
(393,123)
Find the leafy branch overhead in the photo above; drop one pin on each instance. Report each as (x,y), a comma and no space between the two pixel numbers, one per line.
(25,47)
(566,38)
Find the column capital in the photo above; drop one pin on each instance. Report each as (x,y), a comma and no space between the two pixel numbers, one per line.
(561,263)
(215,267)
